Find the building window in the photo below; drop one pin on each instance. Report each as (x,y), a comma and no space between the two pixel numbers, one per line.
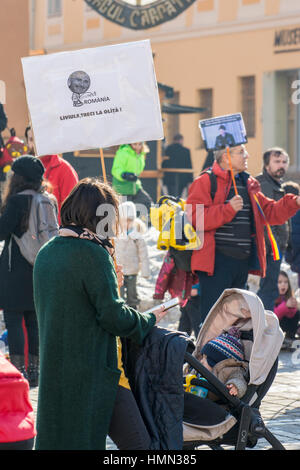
(54,8)
(205,101)
(248,104)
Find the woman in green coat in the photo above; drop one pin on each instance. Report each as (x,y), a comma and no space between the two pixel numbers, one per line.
(80,316)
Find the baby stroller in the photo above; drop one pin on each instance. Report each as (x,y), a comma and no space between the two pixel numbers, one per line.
(230,420)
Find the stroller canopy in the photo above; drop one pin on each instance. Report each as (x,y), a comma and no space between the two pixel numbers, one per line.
(245,310)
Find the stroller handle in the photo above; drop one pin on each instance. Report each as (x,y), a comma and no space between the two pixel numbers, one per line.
(212,379)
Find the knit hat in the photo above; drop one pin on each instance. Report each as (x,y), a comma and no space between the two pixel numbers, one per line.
(227,345)
(127,210)
(31,168)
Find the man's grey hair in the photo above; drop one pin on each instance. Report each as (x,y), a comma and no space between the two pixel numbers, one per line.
(218,154)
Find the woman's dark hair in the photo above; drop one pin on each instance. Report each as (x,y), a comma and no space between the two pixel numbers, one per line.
(28,128)
(15,184)
(89,203)
(289,292)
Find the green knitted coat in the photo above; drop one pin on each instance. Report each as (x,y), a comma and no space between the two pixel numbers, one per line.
(80,315)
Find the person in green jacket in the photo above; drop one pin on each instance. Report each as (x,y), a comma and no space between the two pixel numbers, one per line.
(128,164)
(80,316)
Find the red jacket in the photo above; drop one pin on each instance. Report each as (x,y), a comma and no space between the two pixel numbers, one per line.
(218,213)
(61,175)
(16,413)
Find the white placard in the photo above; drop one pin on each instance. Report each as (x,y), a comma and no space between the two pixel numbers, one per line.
(93,98)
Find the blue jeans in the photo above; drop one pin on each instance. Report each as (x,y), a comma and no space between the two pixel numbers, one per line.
(15,333)
(228,273)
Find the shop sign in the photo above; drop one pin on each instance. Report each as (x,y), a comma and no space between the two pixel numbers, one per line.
(285,40)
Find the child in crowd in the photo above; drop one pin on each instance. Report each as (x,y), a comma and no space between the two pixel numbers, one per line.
(131,252)
(175,281)
(286,308)
(224,357)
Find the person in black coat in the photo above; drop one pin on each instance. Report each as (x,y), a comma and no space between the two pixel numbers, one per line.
(179,157)
(3,124)
(16,273)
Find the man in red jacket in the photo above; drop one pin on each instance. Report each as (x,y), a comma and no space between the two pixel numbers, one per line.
(58,172)
(233,239)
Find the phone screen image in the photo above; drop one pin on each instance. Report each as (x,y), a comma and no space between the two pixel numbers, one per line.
(223,131)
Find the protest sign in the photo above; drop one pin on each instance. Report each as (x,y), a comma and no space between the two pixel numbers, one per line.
(93,98)
(223,131)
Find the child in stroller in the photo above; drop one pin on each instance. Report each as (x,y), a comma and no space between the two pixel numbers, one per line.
(229,420)
(224,357)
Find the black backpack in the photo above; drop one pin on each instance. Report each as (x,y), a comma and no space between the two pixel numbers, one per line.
(213,181)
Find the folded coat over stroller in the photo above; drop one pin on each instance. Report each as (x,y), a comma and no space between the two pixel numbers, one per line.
(154,371)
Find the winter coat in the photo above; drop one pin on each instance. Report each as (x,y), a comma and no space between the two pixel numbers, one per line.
(273,190)
(61,176)
(179,157)
(282,310)
(292,254)
(233,372)
(16,292)
(127,161)
(154,370)
(177,282)
(3,123)
(16,413)
(132,251)
(218,213)
(80,314)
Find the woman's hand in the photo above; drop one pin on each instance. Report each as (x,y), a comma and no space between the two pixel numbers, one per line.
(120,275)
(159,313)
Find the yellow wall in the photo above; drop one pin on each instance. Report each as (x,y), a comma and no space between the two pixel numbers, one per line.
(73,24)
(14,35)
(210,45)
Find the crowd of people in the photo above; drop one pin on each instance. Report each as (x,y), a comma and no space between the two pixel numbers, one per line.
(79,298)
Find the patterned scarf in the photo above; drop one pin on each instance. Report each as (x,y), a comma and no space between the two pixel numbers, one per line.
(86,234)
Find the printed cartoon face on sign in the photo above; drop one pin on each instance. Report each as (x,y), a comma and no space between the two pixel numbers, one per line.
(79,82)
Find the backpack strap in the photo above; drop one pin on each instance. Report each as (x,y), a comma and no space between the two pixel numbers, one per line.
(213,181)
